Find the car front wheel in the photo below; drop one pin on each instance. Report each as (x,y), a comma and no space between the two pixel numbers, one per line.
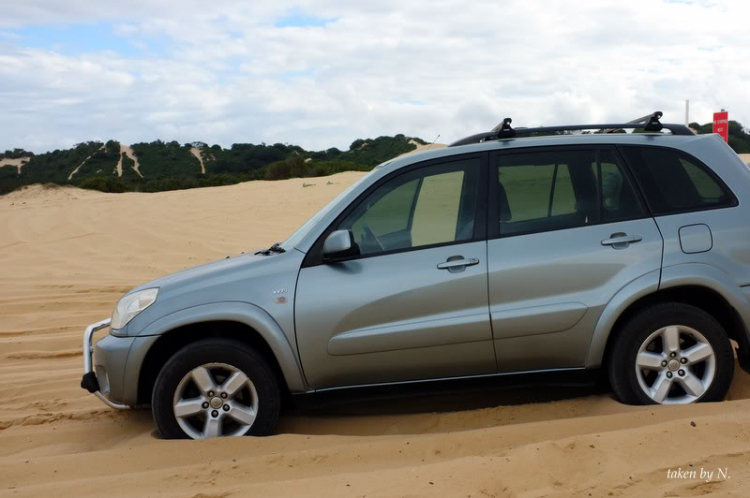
(216,388)
(671,353)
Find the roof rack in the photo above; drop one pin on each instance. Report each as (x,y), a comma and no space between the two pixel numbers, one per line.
(649,123)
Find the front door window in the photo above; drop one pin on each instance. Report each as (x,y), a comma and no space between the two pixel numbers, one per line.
(425,207)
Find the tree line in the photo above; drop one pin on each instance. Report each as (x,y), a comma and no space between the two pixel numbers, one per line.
(739,138)
(172,166)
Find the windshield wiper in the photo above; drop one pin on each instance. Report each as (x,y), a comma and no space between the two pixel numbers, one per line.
(274,248)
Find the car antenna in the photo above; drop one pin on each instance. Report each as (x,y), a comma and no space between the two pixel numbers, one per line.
(433,142)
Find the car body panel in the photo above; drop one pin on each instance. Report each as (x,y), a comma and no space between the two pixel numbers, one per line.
(256,290)
(117,362)
(639,288)
(710,277)
(695,238)
(394,317)
(249,314)
(252,278)
(571,285)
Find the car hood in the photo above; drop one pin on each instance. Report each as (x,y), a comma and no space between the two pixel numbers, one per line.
(250,278)
(213,269)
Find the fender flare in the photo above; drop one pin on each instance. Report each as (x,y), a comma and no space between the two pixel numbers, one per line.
(242,312)
(636,289)
(682,275)
(713,278)
(704,275)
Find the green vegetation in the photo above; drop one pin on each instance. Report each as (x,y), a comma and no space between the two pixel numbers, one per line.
(739,138)
(104,184)
(245,158)
(165,160)
(9,179)
(171,166)
(373,152)
(15,154)
(52,167)
(101,163)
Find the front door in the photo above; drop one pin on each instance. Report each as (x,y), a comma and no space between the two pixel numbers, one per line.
(413,305)
(568,230)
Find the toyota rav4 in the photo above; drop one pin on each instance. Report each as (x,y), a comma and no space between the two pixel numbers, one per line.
(508,252)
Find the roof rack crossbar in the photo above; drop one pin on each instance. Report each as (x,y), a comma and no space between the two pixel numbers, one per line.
(649,123)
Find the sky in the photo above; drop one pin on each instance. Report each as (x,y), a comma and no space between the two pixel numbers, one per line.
(323,73)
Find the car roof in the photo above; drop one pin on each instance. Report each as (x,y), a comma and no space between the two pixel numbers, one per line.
(653,139)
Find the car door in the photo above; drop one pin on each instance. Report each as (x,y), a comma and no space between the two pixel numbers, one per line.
(567,231)
(413,304)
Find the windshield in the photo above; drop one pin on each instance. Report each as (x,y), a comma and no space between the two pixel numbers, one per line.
(302,231)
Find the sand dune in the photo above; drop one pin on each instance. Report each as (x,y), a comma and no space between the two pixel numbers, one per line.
(422,148)
(197,153)
(128,151)
(72,173)
(18,162)
(67,255)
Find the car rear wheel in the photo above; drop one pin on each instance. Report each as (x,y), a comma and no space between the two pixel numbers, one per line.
(671,353)
(216,388)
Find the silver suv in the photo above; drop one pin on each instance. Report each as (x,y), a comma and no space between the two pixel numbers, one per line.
(507,252)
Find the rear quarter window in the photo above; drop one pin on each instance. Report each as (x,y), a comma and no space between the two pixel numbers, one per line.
(674,182)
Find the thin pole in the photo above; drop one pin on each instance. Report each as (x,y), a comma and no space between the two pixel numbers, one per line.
(433,142)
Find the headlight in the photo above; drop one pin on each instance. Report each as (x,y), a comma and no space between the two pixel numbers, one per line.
(130,305)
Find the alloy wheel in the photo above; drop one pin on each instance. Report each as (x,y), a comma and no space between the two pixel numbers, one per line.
(214,400)
(675,365)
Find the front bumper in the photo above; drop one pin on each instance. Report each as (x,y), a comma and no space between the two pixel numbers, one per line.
(90,382)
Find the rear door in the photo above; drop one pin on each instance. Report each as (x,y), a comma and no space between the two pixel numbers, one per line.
(413,305)
(567,231)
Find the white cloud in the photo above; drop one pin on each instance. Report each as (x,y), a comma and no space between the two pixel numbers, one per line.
(226,74)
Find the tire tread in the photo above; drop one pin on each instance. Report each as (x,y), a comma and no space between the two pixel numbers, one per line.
(628,339)
(216,350)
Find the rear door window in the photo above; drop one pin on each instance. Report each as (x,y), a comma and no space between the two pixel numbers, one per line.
(552,190)
(618,198)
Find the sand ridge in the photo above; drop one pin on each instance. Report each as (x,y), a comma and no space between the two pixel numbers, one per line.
(197,153)
(422,147)
(67,255)
(17,162)
(128,151)
(72,173)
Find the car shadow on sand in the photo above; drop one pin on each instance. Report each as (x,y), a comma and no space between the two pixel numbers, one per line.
(446,405)
(452,406)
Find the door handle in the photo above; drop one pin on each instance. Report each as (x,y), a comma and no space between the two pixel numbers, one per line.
(621,240)
(456,263)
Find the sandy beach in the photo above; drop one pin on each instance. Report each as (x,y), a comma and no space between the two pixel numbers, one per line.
(67,256)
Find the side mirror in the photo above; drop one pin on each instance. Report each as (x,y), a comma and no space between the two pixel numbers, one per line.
(339,244)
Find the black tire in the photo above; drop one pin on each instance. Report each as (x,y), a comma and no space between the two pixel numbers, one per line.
(622,355)
(234,353)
